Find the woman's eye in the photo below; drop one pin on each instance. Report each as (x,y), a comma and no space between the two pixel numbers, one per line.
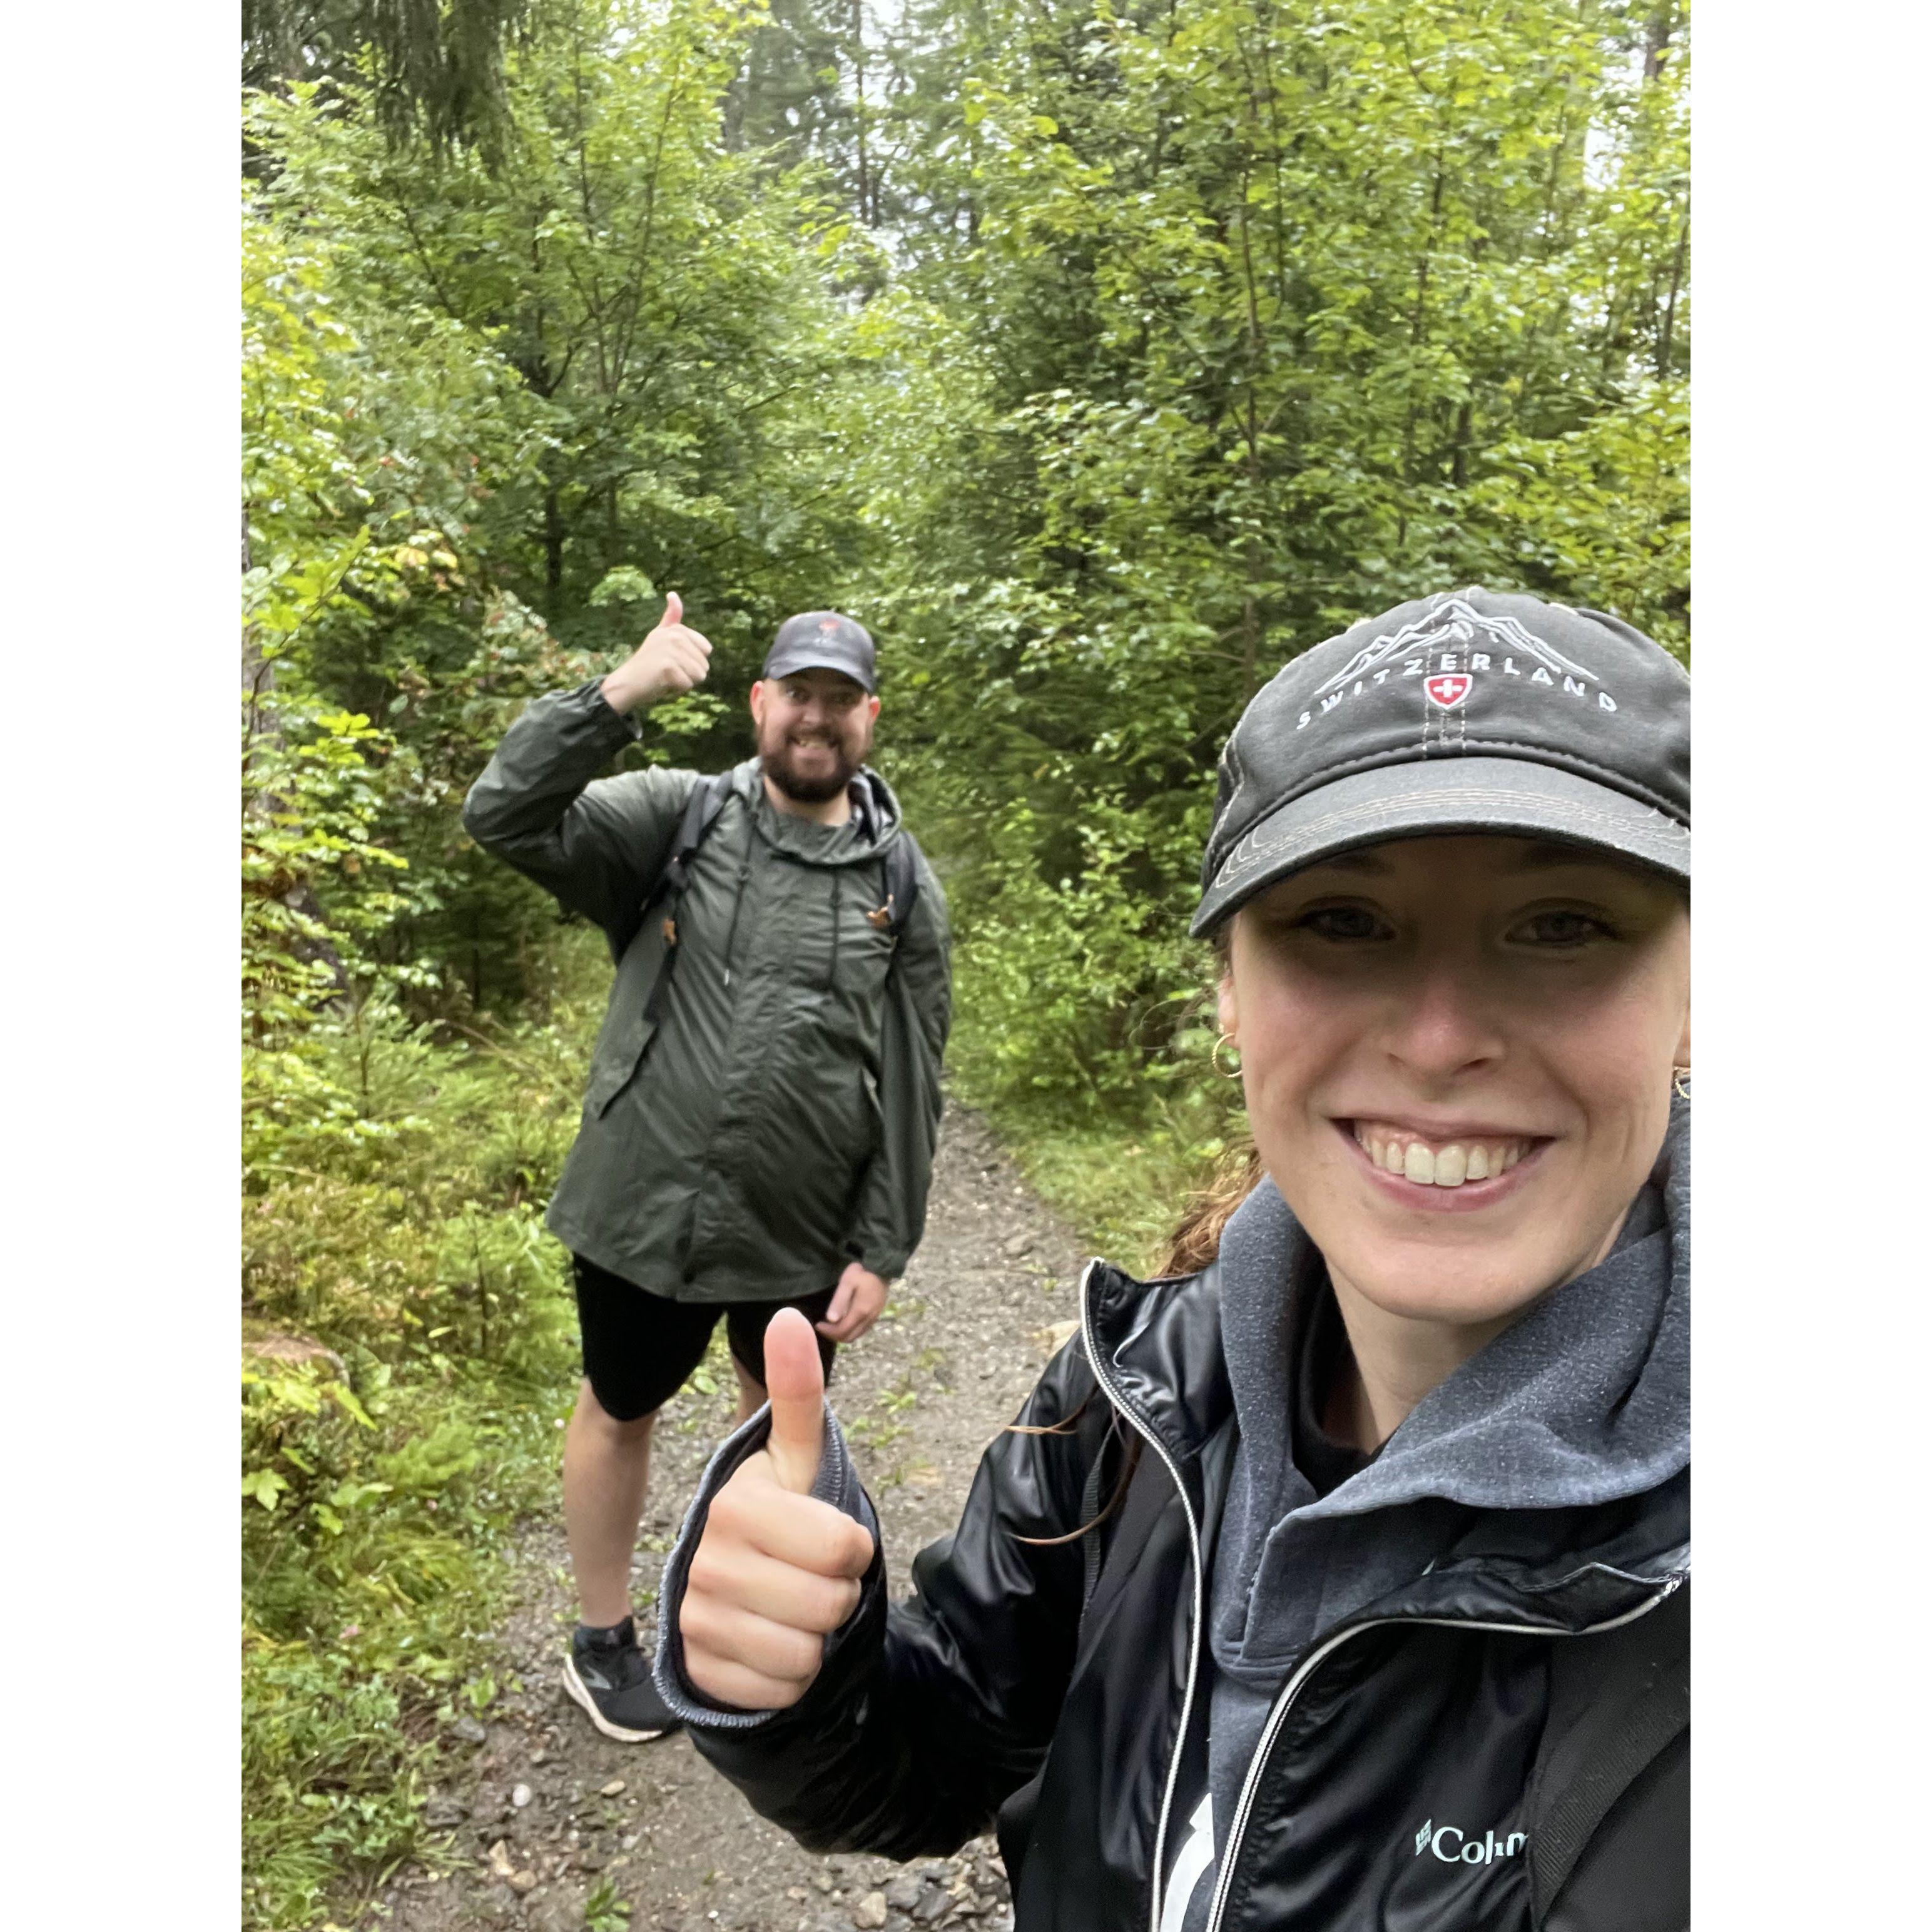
(1562,928)
(1341,923)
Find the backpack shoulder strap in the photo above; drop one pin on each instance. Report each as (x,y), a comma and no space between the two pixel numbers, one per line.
(1617,1702)
(901,882)
(1125,1491)
(700,813)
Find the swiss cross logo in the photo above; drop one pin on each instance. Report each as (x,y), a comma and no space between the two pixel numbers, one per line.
(1448,687)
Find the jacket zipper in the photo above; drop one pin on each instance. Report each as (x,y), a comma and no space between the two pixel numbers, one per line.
(1160,1448)
(1251,1781)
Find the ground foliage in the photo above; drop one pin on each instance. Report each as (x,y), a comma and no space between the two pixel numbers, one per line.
(1099,358)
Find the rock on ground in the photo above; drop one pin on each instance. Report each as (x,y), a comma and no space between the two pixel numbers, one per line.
(989,1295)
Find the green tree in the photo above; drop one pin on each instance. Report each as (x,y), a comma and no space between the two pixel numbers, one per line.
(643,342)
(437,65)
(1263,320)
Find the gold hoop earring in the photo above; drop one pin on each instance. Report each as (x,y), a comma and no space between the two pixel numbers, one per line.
(1233,1073)
(1680,1082)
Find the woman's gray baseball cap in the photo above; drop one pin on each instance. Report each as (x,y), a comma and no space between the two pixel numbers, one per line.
(1472,711)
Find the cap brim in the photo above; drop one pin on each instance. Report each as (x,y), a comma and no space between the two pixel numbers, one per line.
(1423,799)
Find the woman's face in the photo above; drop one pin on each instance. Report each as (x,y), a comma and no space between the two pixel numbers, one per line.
(1457,1056)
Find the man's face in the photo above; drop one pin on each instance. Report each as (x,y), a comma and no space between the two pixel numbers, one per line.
(1424,1013)
(814,728)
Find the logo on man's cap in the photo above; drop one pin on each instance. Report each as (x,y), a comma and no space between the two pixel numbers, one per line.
(1448,687)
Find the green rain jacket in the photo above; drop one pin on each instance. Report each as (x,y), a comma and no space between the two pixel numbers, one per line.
(778,1121)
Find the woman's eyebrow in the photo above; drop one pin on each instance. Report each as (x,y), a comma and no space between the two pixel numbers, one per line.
(1549,854)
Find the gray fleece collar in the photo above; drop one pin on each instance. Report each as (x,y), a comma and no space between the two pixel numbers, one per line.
(1584,1401)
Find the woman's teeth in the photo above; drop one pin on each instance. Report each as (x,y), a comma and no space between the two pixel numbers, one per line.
(1396,1151)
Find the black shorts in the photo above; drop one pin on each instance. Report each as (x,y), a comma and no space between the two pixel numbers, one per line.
(639,1348)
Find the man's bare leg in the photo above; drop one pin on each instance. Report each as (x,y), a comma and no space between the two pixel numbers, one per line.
(606,1465)
(750,1393)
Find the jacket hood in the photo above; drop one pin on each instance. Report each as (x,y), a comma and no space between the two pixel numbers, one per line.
(1552,1470)
(1584,1399)
(1582,1404)
(805,839)
(1161,1345)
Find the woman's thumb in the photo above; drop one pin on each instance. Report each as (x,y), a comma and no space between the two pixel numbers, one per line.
(795,1381)
(673,610)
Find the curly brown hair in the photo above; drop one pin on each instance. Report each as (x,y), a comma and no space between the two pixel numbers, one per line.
(1196,1240)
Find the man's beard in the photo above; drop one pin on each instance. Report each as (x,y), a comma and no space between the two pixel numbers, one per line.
(779,758)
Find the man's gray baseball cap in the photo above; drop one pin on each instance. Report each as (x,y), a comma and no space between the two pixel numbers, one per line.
(1472,711)
(822,640)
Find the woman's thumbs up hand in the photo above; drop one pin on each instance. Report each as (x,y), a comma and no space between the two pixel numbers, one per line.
(776,1570)
(795,1381)
(672,659)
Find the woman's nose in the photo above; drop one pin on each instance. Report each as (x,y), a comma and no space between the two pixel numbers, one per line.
(1445,1025)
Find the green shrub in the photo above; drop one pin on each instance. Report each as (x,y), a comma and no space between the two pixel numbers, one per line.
(407,1357)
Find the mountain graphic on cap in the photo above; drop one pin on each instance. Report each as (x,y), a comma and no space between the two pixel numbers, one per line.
(1457,622)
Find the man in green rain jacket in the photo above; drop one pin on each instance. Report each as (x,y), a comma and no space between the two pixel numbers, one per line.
(758,1128)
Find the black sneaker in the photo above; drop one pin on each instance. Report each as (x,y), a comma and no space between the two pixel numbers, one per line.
(610,1677)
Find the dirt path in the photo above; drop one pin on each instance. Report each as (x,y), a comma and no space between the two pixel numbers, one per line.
(548,1819)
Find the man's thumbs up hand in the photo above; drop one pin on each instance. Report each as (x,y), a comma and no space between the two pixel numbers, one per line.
(674,659)
(776,1569)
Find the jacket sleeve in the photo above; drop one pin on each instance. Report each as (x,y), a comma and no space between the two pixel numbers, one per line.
(891,1212)
(596,845)
(929,1713)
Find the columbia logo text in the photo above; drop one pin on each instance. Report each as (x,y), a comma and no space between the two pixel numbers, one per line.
(1457,1847)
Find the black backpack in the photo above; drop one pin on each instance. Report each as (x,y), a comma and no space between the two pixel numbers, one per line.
(700,813)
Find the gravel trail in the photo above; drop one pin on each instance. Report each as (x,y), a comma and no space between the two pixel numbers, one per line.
(550,1826)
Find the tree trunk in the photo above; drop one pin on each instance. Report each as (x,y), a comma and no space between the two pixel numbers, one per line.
(1418,324)
(258,673)
(1657,40)
(868,211)
(1670,303)
(553,555)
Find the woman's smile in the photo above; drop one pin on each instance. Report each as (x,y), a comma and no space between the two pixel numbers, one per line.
(1448,1170)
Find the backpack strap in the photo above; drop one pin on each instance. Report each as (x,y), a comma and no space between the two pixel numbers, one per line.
(1618,1702)
(700,813)
(901,882)
(901,864)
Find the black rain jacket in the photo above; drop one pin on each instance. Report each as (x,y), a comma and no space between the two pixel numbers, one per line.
(1416,1763)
